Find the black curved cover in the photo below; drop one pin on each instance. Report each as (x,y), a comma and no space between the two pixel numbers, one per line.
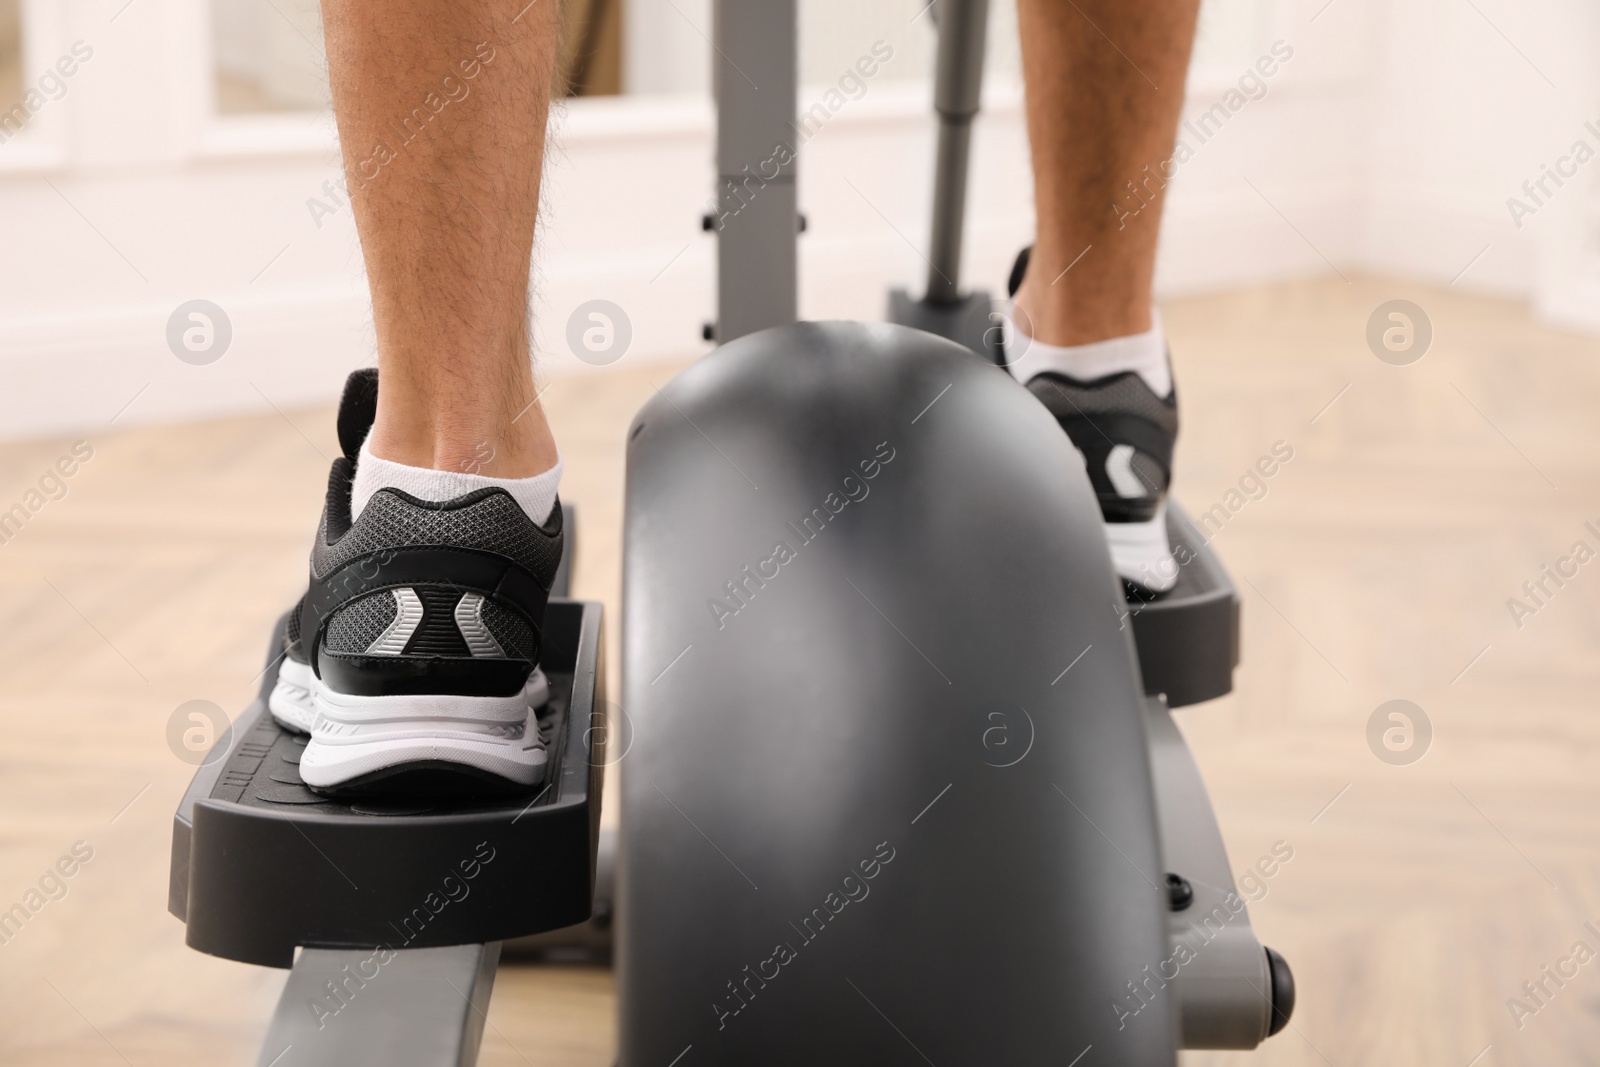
(886,798)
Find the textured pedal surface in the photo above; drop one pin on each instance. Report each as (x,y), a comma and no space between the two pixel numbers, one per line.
(1188,638)
(262,864)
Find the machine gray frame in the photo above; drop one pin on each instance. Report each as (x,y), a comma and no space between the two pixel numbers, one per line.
(1127,763)
(757,221)
(1225,997)
(425,1007)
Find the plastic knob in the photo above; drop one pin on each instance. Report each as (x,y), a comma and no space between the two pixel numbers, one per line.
(1282,991)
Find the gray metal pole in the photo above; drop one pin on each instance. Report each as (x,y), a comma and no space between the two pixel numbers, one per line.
(958,84)
(416,1007)
(754,77)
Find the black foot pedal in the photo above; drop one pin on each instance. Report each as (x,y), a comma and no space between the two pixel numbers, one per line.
(1188,637)
(261,864)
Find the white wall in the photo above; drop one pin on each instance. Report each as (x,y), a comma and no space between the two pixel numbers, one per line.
(1467,102)
(275,45)
(1389,142)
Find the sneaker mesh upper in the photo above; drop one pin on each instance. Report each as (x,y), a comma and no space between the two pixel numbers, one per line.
(494,523)
(354,627)
(485,521)
(291,635)
(1108,414)
(1125,394)
(510,630)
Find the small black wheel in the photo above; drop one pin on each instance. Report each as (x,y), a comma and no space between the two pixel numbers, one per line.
(1282,980)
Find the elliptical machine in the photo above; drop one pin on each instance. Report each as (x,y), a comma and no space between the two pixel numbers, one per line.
(904,785)
(901,779)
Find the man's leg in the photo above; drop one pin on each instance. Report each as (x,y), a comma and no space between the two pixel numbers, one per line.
(1105,85)
(413,659)
(1105,82)
(447,222)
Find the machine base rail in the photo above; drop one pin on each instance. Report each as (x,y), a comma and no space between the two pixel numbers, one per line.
(419,1007)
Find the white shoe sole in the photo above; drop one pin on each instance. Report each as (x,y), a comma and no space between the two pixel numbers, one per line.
(292,701)
(357,736)
(1141,553)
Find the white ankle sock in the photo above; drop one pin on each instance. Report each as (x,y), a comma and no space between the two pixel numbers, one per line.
(1145,353)
(536,495)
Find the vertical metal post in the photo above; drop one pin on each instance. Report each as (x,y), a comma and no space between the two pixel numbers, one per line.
(958,85)
(754,78)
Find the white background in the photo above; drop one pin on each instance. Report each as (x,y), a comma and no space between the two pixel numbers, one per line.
(1389,144)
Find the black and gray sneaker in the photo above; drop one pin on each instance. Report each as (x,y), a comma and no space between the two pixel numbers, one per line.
(291,702)
(1126,434)
(420,635)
